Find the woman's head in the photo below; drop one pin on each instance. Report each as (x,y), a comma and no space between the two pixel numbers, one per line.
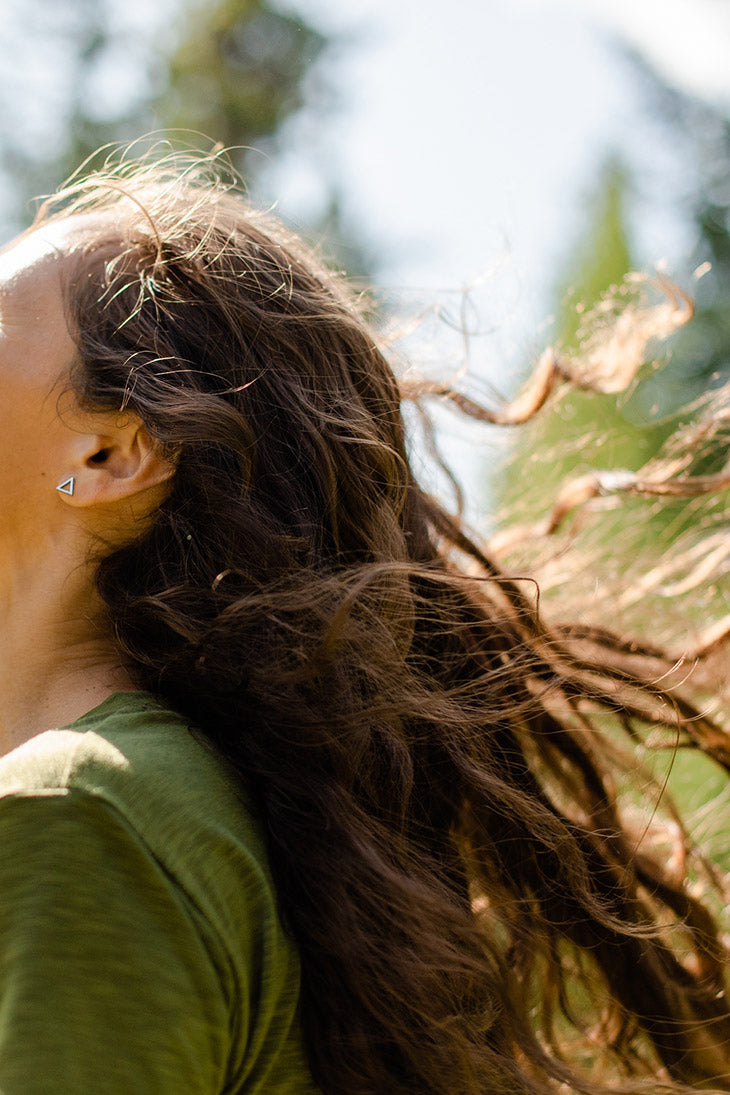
(242,358)
(111,470)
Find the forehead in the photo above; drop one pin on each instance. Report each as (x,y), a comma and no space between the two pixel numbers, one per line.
(40,256)
(34,337)
(28,249)
(31,270)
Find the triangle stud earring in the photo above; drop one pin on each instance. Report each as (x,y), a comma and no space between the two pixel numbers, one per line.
(67,487)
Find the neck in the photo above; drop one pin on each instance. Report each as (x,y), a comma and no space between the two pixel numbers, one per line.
(57,657)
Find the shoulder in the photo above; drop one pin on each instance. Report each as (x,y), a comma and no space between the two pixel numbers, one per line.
(135,759)
(47,763)
(127,832)
(129,736)
(134,752)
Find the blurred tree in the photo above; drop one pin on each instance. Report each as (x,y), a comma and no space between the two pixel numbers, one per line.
(238,71)
(700,131)
(85,74)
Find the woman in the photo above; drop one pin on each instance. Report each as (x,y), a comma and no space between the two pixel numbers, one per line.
(329,807)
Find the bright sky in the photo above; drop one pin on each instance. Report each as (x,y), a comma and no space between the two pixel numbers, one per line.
(688,40)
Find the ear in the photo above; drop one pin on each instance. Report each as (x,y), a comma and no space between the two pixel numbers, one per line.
(123,463)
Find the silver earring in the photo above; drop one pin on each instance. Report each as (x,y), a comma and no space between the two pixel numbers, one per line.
(67,487)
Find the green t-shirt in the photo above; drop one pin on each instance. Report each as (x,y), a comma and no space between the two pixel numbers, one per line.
(140,947)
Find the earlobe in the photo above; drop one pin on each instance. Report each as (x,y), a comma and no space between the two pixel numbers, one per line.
(67,486)
(113,469)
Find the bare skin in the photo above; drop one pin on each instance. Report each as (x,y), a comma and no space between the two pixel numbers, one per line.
(57,657)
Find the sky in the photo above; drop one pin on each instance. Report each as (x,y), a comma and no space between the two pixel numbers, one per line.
(688,40)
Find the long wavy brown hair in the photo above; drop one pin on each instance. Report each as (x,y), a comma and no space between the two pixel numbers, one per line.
(464,844)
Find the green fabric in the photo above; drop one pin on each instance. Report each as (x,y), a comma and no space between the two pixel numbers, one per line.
(140,949)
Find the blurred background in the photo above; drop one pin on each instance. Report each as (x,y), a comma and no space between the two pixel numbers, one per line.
(485,165)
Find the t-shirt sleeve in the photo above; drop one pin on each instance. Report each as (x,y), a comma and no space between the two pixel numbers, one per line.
(106,982)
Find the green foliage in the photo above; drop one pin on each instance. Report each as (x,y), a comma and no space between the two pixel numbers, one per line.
(237,72)
(700,134)
(601,256)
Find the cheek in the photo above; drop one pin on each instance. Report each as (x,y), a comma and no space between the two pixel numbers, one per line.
(31,453)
